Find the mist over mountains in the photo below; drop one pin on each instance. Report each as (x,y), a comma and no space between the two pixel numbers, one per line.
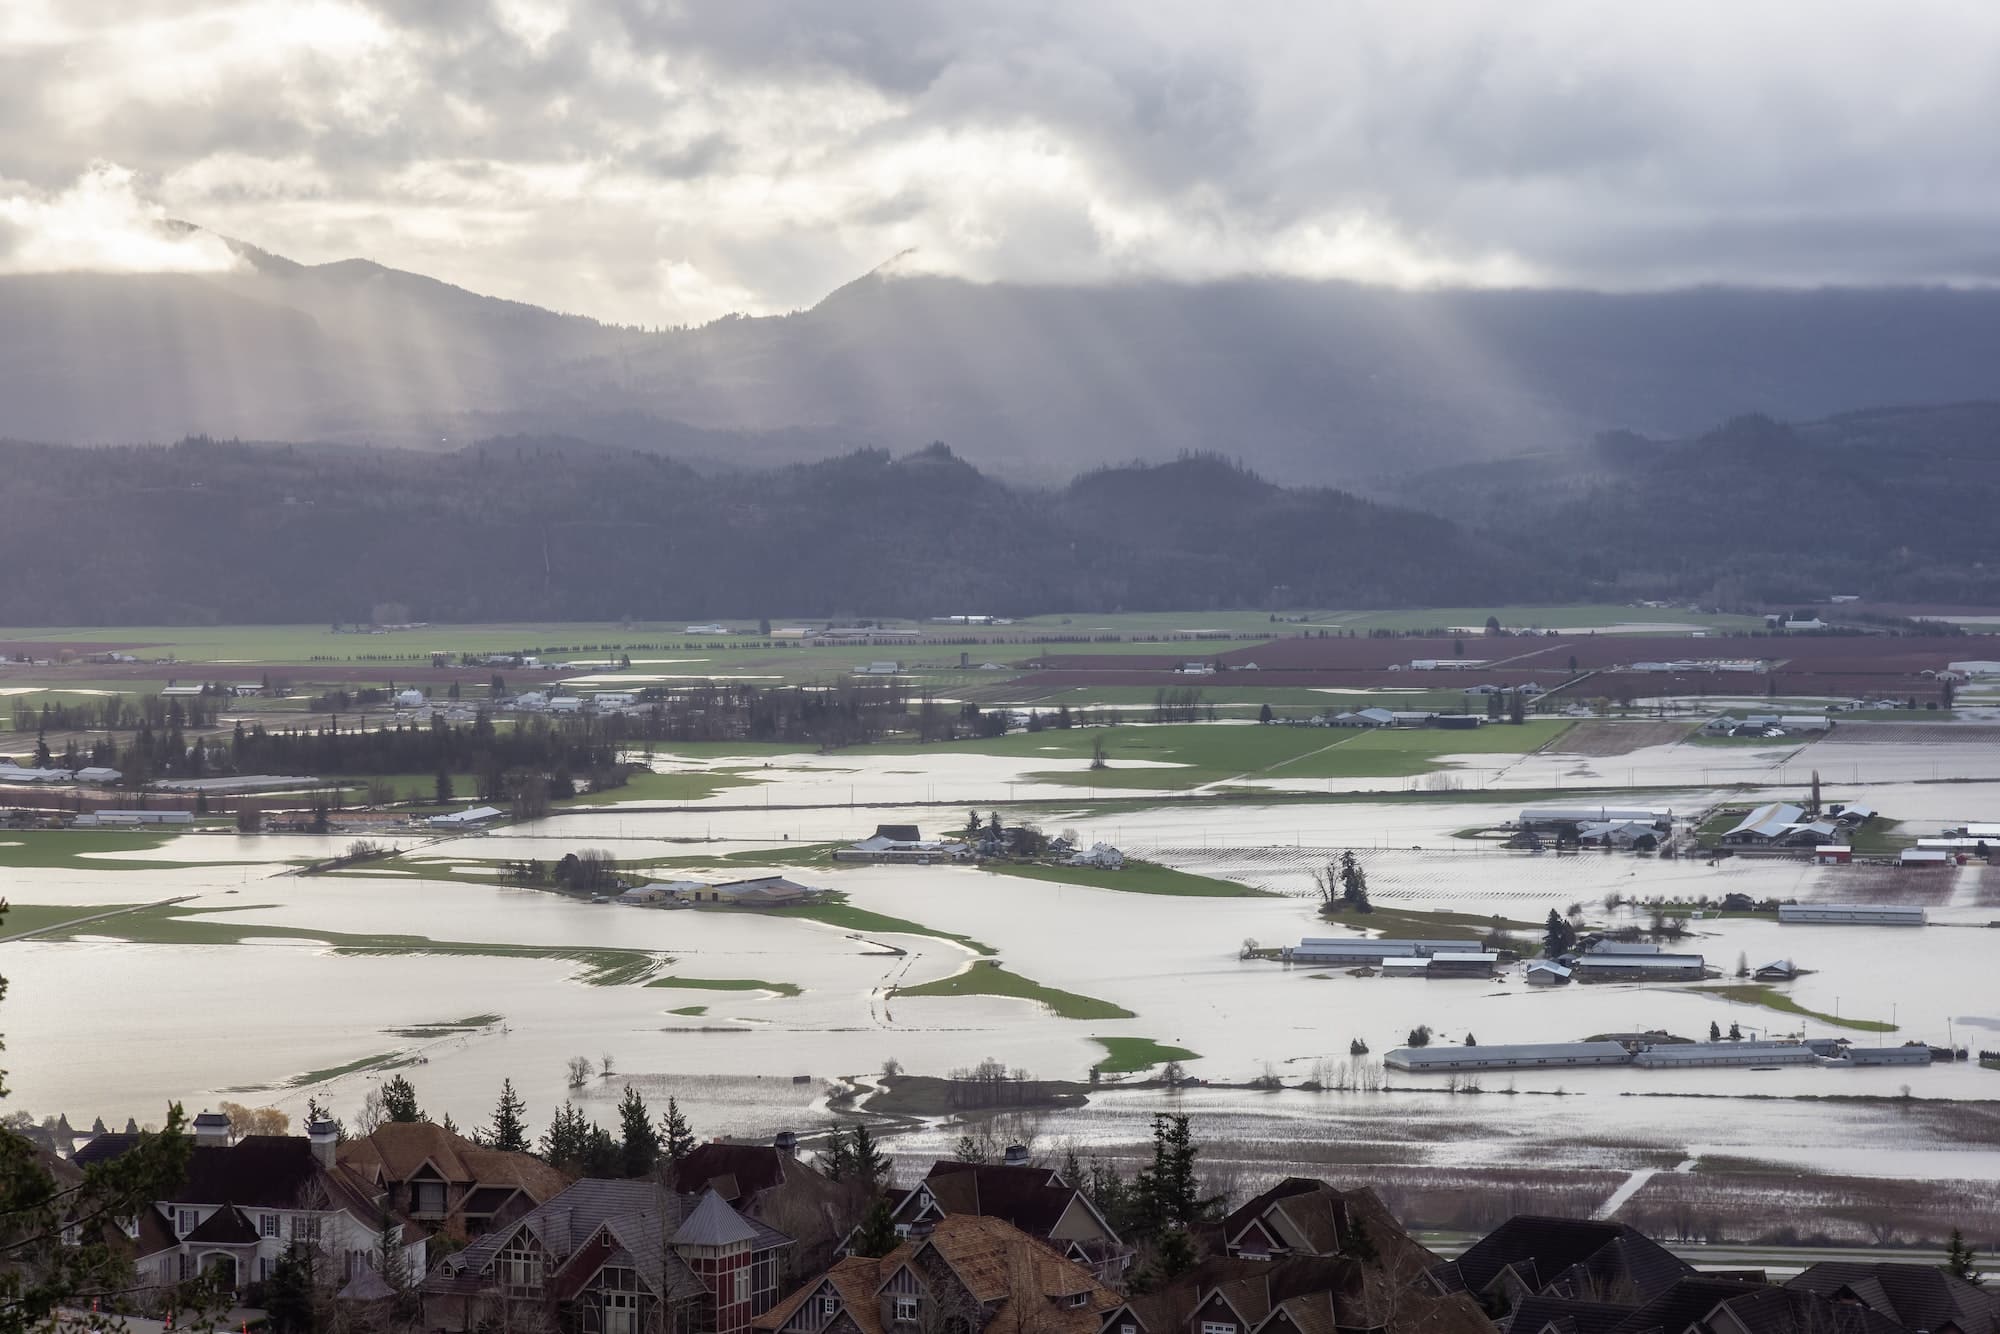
(1322,383)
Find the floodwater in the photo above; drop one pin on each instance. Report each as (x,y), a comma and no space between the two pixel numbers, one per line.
(96,1027)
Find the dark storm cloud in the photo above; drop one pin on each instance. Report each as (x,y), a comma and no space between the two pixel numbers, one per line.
(662,161)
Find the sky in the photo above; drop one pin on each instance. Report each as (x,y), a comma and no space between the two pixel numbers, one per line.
(663,163)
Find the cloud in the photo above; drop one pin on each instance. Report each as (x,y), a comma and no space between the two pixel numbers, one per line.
(100,224)
(661,163)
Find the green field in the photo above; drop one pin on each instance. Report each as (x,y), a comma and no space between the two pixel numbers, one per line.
(692,785)
(986,977)
(1124,1056)
(1770,998)
(1136,877)
(179,925)
(727,984)
(85,849)
(20,918)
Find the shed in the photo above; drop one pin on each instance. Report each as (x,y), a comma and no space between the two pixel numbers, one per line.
(1547,973)
(1833,854)
(1407,966)
(1917,1054)
(1922,857)
(1515,1056)
(1851,914)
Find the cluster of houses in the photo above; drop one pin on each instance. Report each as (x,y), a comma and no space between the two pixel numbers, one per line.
(754,1239)
(1604,960)
(1397,958)
(98,775)
(1627,829)
(905,845)
(1652,1053)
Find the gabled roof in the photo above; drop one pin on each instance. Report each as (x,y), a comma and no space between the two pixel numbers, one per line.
(1033,1199)
(1570,1257)
(1915,1296)
(1533,1315)
(225,1227)
(752,1168)
(257,1172)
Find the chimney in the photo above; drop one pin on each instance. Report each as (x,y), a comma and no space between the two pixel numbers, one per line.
(325,1142)
(1015,1156)
(211,1131)
(786,1143)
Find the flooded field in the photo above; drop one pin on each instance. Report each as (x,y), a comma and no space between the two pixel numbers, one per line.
(265,986)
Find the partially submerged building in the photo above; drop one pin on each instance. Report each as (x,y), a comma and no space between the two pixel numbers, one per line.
(1509,1056)
(1852,914)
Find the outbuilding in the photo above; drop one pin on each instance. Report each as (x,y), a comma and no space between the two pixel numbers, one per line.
(1851,914)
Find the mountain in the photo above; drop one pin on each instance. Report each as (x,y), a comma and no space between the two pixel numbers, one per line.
(1894,504)
(1305,382)
(555,529)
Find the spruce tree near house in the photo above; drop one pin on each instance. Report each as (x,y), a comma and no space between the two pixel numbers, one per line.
(676,1137)
(399,1101)
(641,1147)
(510,1128)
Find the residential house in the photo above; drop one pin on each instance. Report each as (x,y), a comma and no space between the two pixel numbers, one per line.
(613,1257)
(445,1182)
(1530,1256)
(771,1184)
(1703,1304)
(1914,1296)
(1100,855)
(1035,1200)
(243,1204)
(962,1273)
(897,843)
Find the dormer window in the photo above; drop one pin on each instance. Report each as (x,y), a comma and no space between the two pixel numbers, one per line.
(906,1310)
(829,1307)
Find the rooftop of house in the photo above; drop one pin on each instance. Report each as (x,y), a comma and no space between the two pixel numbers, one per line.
(1001,1266)
(1913,1295)
(1566,1257)
(256,1172)
(736,1172)
(1033,1199)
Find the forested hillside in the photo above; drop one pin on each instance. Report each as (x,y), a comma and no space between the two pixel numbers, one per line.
(549,529)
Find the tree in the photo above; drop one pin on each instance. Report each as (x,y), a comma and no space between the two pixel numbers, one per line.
(510,1129)
(254,1120)
(1420,1036)
(1492,626)
(1558,936)
(1353,883)
(602,1155)
(1264,713)
(399,1101)
(641,1148)
(676,1139)
(1357,1047)
(1959,1259)
(1471,1041)
(567,1139)
(1714,1031)
(871,1165)
(1169,1188)
(441,791)
(291,1294)
(579,1071)
(1735,1032)
(876,1236)
(968,1150)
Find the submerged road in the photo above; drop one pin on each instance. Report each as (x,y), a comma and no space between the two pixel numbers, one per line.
(95,917)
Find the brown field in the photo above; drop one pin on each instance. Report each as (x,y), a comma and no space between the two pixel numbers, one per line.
(1597,738)
(1733,1199)
(1882,884)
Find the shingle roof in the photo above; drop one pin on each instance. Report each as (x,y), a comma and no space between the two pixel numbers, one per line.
(1570,1257)
(713,1223)
(225,1227)
(256,1172)
(1533,1314)
(753,1167)
(1033,1199)
(1916,1296)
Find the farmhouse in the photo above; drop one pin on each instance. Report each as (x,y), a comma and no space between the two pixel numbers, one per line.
(1639,968)
(896,843)
(1547,973)
(1778,970)
(1518,1056)
(1852,914)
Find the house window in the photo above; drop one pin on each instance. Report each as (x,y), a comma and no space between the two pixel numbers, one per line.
(1128,1329)
(742,1285)
(187,1266)
(427,1197)
(829,1307)
(1217,1327)
(69,1235)
(906,1310)
(263,1268)
(518,1271)
(267,1224)
(185,1221)
(621,1313)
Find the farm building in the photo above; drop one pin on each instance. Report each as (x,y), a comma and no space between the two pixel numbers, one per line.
(1639,968)
(1833,854)
(1518,1056)
(1409,966)
(659,893)
(1358,950)
(1913,1055)
(1854,813)
(1621,947)
(1764,826)
(12,774)
(1547,973)
(1923,857)
(470,818)
(1778,970)
(1851,914)
(1683,1055)
(896,843)
(98,774)
(1554,817)
(765,891)
(1626,834)
(1814,834)
(1462,963)
(114,819)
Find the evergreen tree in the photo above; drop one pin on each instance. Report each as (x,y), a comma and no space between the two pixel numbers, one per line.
(1264,713)
(399,1101)
(1558,936)
(836,1161)
(441,790)
(602,1156)
(1959,1259)
(510,1128)
(876,1236)
(316,1111)
(641,1147)
(968,1150)
(1169,1188)
(291,1294)
(676,1138)
(1176,1253)
(567,1139)
(1735,1032)
(871,1165)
